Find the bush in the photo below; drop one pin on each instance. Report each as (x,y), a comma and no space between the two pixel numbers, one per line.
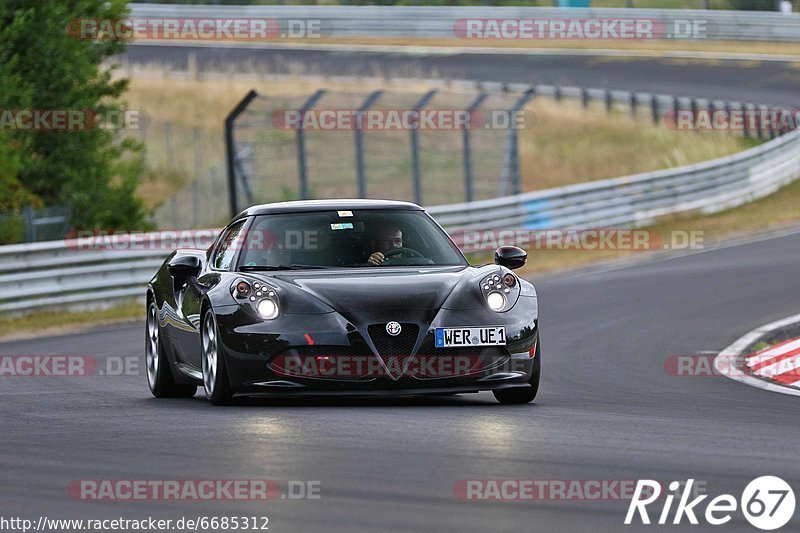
(44,68)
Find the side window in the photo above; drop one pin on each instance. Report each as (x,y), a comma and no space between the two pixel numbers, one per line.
(228,246)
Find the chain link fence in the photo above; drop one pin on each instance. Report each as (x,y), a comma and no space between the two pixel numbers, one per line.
(325,144)
(275,159)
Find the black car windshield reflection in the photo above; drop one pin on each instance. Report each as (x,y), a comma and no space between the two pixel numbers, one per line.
(346,239)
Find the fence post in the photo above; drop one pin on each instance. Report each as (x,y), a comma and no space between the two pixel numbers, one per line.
(230,149)
(511,170)
(301,145)
(415,148)
(465,135)
(359,142)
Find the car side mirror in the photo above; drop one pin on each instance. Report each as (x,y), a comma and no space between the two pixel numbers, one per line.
(184,267)
(510,257)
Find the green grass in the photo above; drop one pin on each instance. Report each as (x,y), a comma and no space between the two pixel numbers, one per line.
(56,320)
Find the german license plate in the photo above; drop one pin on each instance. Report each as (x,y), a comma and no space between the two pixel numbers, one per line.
(470,336)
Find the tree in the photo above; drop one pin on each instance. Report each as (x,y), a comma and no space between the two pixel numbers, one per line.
(46,68)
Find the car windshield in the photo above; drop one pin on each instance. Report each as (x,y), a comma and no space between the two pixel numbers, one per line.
(357,238)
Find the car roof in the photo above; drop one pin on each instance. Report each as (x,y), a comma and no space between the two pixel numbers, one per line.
(344,204)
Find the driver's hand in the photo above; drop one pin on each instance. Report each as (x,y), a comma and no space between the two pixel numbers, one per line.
(376,259)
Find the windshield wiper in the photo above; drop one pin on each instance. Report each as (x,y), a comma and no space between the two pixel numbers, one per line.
(268,268)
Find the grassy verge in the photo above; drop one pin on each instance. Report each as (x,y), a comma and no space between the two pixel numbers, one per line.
(54,322)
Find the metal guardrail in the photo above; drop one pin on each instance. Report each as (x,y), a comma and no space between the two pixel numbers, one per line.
(429,21)
(65,272)
(709,187)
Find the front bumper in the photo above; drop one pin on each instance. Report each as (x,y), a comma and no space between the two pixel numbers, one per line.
(328,355)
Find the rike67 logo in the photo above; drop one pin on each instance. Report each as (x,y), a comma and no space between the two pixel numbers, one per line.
(767,502)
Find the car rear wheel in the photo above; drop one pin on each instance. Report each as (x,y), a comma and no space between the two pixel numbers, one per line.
(215,372)
(159,376)
(521,395)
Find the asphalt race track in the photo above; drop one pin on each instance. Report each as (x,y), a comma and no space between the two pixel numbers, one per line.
(607,410)
(762,82)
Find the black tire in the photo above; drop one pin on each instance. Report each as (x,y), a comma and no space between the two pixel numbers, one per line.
(216,384)
(159,375)
(520,395)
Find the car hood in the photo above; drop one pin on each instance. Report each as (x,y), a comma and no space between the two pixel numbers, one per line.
(389,293)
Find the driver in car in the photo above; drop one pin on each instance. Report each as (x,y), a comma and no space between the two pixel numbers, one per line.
(384,240)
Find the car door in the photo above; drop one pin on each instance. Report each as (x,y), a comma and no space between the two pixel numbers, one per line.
(190,296)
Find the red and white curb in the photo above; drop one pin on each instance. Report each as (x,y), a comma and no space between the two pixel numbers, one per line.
(776,368)
(779,363)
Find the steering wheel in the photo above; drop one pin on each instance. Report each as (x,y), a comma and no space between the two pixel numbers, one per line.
(402,252)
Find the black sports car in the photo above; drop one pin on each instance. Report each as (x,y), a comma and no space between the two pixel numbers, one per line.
(340,297)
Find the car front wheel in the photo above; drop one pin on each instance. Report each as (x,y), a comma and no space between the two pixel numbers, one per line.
(522,395)
(215,373)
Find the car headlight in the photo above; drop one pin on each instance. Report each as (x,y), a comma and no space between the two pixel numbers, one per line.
(256,296)
(496,301)
(268,309)
(501,290)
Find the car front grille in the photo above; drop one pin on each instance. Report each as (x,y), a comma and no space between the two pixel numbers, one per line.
(402,344)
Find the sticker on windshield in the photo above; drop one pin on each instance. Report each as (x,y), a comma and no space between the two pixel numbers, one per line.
(342,225)
(345,213)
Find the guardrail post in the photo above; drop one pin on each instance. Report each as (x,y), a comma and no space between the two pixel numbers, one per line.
(745,122)
(771,127)
(511,170)
(763,129)
(585,97)
(609,101)
(359,142)
(655,108)
(558,94)
(465,136)
(634,104)
(230,149)
(300,140)
(415,148)
(695,110)
(728,108)
(757,111)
